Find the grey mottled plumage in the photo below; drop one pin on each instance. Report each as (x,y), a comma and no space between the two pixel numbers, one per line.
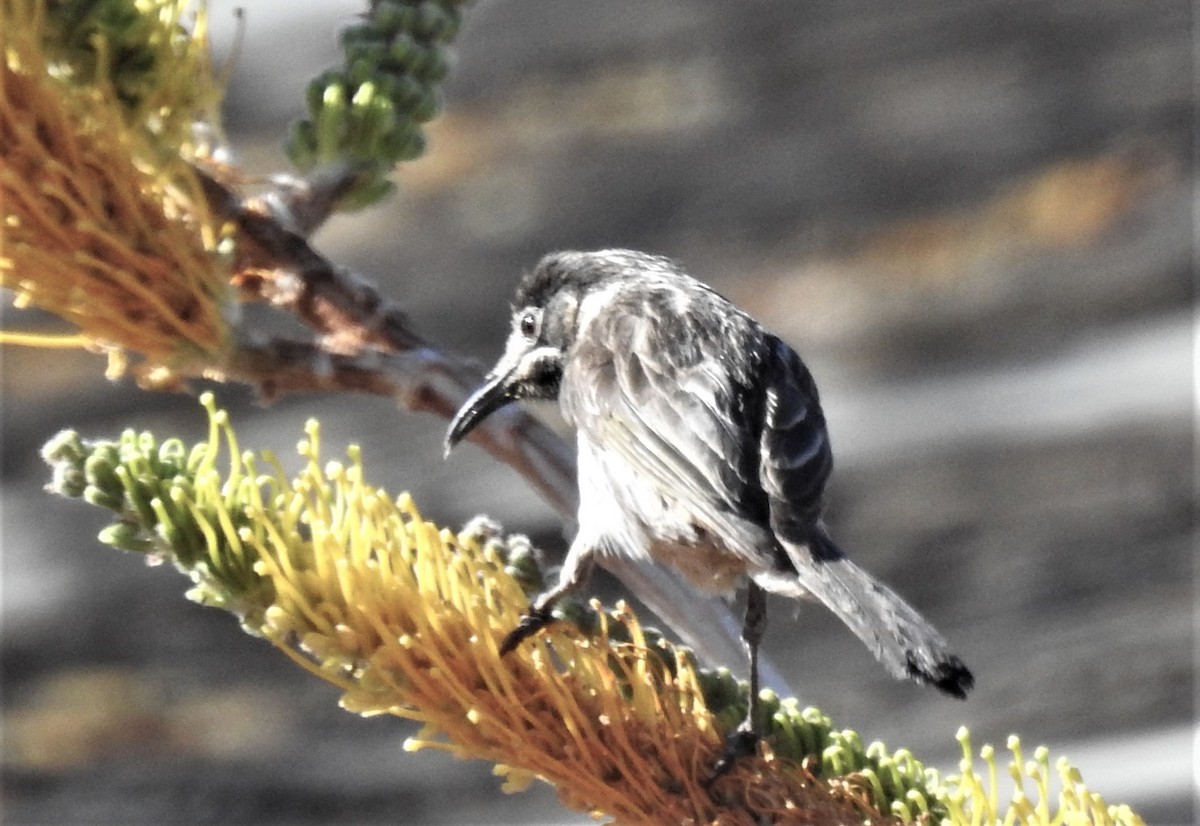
(702,444)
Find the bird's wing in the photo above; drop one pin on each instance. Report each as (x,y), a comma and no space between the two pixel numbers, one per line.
(672,394)
(796,458)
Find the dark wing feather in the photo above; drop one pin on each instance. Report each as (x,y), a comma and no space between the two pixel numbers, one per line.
(796,458)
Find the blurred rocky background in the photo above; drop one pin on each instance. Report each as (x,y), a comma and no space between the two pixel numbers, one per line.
(974,220)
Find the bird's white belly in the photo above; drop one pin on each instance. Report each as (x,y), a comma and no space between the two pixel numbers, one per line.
(623,513)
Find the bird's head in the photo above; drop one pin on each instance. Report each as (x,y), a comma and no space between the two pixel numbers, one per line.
(545,316)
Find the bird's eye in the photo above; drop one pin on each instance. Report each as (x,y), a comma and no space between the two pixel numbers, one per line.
(529,324)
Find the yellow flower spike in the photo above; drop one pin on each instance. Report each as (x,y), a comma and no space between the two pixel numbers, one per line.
(104,221)
(406,619)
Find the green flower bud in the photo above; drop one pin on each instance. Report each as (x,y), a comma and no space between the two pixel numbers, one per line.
(370,191)
(102,498)
(301,146)
(390,17)
(427,108)
(127,537)
(406,91)
(435,21)
(404,52)
(359,34)
(67,480)
(100,467)
(66,446)
(403,144)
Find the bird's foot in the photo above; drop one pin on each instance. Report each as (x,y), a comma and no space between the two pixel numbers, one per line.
(534,620)
(743,742)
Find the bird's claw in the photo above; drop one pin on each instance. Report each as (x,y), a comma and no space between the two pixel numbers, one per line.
(743,742)
(533,621)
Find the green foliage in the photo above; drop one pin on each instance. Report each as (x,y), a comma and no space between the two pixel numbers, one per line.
(369,112)
(166,504)
(158,68)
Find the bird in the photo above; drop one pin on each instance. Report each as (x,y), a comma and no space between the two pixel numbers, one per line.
(702,446)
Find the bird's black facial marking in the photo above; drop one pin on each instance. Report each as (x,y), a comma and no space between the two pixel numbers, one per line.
(544,379)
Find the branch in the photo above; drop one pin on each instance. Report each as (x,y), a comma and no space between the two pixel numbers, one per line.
(423,380)
(276,265)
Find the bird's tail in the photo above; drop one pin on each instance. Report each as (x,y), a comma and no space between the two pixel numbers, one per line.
(904,641)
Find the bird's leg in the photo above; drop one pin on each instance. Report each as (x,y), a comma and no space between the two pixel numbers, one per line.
(744,739)
(576,569)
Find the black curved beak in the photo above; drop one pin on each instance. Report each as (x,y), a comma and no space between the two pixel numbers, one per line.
(493,394)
